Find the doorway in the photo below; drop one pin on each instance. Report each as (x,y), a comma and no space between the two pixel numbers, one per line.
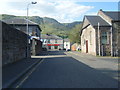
(86,46)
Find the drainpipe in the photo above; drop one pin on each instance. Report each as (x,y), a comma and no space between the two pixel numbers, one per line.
(111,42)
(99,38)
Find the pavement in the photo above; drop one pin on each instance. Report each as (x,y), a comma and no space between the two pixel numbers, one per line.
(106,65)
(13,72)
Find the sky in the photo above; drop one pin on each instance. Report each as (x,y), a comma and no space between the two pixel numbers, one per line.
(64,11)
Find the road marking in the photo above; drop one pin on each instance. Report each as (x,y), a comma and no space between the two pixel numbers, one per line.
(33,69)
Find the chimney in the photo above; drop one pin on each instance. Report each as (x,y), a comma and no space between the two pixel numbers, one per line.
(101,10)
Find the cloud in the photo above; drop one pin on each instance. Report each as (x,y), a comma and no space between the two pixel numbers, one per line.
(63,11)
(91,13)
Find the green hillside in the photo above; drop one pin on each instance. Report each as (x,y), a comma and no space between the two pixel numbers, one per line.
(52,26)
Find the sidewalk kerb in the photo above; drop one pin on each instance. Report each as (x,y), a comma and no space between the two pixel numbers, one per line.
(14,80)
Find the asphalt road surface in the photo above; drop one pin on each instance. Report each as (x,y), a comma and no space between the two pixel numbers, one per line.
(58,70)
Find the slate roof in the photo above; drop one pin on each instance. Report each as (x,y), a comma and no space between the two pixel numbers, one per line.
(114,15)
(66,40)
(49,36)
(19,21)
(93,20)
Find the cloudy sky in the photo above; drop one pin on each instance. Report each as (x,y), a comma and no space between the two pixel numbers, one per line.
(61,10)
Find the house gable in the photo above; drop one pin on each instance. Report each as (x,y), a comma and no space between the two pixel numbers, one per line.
(93,21)
(109,16)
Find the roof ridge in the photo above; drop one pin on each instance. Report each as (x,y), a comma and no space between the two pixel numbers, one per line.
(99,18)
(31,21)
(111,11)
(91,15)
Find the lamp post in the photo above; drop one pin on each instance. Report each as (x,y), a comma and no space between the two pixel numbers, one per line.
(28,13)
(27,25)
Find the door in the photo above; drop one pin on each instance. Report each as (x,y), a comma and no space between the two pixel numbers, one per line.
(86,46)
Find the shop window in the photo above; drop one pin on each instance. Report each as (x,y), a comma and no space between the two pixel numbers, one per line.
(49,47)
(56,47)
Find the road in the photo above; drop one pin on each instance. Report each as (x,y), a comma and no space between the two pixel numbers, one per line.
(59,70)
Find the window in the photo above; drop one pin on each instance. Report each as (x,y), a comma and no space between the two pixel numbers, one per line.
(56,47)
(44,40)
(55,40)
(83,39)
(37,32)
(30,30)
(48,40)
(105,38)
(90,37)
(49,47)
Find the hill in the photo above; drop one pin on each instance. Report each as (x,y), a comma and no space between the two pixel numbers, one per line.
(49,25)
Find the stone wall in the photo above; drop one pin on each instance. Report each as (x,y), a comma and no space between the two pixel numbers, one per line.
(14,45)
(105,17)
(36,47)
(104,49)
(91,38)
(116,38)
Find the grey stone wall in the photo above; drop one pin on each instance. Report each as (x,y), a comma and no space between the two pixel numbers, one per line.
(14,45)
(116,38)
(105,17)
(36,47)
(105,49)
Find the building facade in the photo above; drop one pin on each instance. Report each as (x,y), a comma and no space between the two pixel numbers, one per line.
(52,42)
(33,32)
(21,24)
(67,44)
(99,35)
(14,45)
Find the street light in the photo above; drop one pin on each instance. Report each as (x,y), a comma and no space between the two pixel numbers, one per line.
(27,14)
(27,25)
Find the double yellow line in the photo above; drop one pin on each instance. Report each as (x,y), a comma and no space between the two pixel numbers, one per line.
(28,75)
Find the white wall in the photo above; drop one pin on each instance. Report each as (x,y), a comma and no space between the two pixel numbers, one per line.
(86,36)
(67,45)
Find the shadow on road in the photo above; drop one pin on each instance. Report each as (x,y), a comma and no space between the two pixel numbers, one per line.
(67,72)
(56,53)
(44,53)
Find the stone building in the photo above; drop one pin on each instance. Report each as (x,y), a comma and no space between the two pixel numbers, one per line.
(52,42)
(21,24)
(34,32)
(14,44)
(75,47)
(99,34)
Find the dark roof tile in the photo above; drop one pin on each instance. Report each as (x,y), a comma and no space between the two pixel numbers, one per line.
(114,15)
(45,36)
(94,20)
(19,21)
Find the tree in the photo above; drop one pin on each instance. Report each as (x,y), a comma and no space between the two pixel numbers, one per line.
(74,34)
